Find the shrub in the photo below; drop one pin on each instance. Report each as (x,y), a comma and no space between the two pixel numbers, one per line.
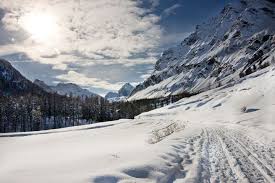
(243,109)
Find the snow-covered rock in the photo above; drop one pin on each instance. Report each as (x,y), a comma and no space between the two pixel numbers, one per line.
(237,42)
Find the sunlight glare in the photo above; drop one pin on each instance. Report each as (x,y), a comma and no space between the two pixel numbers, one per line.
(41,26)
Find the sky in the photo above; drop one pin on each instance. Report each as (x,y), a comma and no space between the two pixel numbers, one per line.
(97,44)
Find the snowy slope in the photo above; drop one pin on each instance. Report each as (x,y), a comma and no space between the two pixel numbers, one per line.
(218,141)
(231,45)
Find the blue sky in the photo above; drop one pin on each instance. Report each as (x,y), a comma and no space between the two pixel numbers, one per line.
(99,45)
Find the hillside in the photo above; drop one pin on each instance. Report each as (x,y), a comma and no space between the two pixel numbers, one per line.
(13,83)
(235,43)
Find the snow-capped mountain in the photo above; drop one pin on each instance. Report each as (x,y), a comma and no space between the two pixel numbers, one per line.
(70,88)
(125,90)
(65,89)
(12,81)
(236,43)
(121,95)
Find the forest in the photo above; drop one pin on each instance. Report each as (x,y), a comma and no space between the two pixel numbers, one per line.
(36,111)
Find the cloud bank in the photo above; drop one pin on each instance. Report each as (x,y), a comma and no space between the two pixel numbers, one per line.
(88,32)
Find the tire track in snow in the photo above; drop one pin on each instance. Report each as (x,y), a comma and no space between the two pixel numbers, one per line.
(198,171)
(220,155)
(260,151)
(253,169)
(221,170)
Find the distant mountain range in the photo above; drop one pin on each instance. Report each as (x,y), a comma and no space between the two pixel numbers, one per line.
(65,89)
(12,82)
(236,43)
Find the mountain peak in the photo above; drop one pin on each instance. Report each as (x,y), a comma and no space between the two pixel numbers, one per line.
(125,90)
(71,88)
(43,85)
(12,82)
(65,89)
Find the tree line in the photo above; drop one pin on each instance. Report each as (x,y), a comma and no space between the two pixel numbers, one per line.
(34,112)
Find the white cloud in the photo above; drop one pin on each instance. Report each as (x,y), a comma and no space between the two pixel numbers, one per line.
(115,29)
(87,82)
(171,10)
(87,32)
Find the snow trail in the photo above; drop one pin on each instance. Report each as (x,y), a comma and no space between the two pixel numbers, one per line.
(221,156)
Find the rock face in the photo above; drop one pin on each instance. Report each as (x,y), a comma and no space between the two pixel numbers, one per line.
(13,83)
(236,43)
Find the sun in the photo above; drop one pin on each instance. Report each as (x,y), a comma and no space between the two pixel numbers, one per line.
(41,26)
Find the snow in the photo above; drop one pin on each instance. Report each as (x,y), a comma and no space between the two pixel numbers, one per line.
(219,142)
(117,99)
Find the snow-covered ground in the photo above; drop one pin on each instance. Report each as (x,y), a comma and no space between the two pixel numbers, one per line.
(224,135)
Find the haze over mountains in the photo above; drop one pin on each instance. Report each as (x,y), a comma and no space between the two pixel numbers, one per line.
(13,82)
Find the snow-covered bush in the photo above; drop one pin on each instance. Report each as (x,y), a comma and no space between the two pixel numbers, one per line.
(243,109)
(159,134)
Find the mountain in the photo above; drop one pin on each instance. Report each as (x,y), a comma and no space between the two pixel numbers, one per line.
(43,85)
(13,83)
(125,90)
(121,95)
(235,43)
(111,95)
(70,88)
(65,89)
